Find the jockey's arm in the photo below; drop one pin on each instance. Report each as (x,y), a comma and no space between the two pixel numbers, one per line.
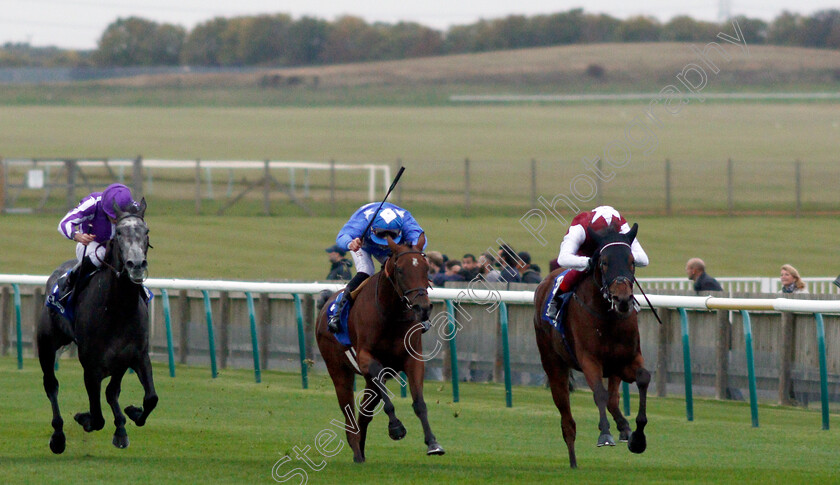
(572,241)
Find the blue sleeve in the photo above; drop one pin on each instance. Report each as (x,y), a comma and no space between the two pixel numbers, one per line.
(412,230)
(352,229)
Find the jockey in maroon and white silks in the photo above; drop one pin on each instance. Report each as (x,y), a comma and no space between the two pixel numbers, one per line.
(577,248)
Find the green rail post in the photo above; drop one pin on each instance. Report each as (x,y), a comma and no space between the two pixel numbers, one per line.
(503,321)
(167,318)
(211,338)
(453,350)
(255,349)
(301,342)
(745,316)
(16,289)
(823,369)
(625,394)
(689,398)
(402,384)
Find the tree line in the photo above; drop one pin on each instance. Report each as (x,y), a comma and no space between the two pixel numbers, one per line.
(280,40)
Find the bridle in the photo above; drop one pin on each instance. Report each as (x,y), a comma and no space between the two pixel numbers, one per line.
(397,284)
(604,284)
(115,242)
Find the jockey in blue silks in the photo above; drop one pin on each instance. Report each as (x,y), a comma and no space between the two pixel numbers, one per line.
(91,225)
(391,220)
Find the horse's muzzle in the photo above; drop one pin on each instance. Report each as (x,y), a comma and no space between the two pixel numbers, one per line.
(422,312)
(137,272)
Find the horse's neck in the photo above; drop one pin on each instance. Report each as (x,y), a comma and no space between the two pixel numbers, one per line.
(387,297)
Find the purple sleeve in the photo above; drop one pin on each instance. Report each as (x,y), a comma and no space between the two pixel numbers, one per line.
(83,212)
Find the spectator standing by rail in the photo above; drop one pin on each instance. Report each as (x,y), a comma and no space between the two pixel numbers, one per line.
(695,269)
(791,281)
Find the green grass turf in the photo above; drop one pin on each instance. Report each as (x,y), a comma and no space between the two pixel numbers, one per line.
(232,430)
(439,136)
(279,248)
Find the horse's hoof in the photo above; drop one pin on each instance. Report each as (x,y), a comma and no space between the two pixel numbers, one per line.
(86,421)
(606,439)
(359,459)
(624,436)
(397,432)
(120,442)
(435,449)
(57,443)
(637,443)
(134,413)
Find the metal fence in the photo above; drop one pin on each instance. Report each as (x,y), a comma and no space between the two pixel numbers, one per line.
(770,347)
(460,186)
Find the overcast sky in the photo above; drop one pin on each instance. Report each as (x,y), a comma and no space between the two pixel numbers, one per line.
(78,24)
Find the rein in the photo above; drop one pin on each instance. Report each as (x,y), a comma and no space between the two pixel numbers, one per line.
(398,287)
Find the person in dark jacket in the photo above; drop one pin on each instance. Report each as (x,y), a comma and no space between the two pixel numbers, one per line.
(695,268)
(509,261)
(340,266)
(529,273)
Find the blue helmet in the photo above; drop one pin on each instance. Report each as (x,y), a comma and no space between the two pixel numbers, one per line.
(387,223)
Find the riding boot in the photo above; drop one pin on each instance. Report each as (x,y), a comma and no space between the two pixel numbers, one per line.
(335,319)
(67,282)
(554,306)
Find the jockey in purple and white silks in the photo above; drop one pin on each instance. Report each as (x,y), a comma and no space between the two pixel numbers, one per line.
(391,220)
(91,225)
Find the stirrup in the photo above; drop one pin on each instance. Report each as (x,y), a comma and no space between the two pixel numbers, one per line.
(332,324)
(335,320)
(553,310)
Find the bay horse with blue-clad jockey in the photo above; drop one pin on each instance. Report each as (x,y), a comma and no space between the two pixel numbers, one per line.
(600,337)
(110,328)
(384,326)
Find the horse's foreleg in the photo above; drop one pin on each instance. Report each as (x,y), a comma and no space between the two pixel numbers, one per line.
(638,442)
(93,419)
(150,397)
(46,356)
(373,369)
(614,409)
(112,395)
(594,373)
(415,370)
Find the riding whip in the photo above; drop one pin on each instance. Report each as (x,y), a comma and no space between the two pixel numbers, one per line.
(393,184)
(648,300)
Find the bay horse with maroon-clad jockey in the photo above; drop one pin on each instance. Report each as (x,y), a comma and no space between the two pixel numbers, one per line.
(600,338)
(384,329)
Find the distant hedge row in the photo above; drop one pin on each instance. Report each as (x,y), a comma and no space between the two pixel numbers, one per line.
(280,40)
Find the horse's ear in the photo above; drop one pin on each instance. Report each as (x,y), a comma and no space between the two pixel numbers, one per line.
(421,241)
(593,236)
(631,236)
(142,211)
(119,212)
(391,244)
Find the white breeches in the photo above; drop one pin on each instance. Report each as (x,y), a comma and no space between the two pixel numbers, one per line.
(363,262)
(94,251)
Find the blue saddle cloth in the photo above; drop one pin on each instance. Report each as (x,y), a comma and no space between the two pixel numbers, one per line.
(343,334)
(66,307)
(560,322)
